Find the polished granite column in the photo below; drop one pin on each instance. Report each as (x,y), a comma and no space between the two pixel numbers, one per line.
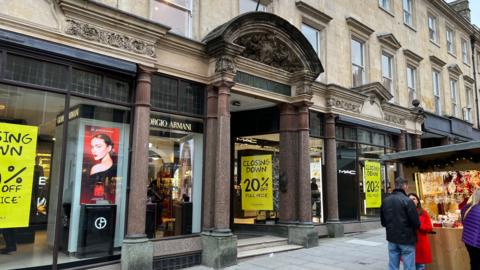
(137,250)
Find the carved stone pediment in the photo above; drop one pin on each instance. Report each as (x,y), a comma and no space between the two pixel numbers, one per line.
(374,90)
(343,104)
(268,49)
(390,40)
(455,69)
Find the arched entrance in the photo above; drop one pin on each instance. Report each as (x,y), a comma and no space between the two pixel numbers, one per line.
(258,54)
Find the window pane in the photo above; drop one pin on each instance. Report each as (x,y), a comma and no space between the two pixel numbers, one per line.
(191,98)
(164,93)
(250,5)
(117,90)
(172,16)
(312,36)
(357,53)
(23,69)
(87,83)
(28,226)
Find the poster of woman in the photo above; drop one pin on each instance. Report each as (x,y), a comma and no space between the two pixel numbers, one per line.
(99,171)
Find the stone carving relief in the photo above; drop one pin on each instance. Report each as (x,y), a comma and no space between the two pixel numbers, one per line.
(94,33)
(225,63)
(394,119)
(342,104)
(268,49)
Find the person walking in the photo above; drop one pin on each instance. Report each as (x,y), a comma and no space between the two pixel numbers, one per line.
(400,218)
(423,252)
(471,229)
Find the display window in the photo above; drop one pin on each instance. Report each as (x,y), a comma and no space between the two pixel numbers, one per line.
(175,176)
(63,170)
(443,194)
(27,164)
(316,172)
(256,179)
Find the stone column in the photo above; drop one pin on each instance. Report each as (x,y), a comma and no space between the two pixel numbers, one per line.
(335,228)
(302,233)
(219,244)
(222,159)
(210,152)
(418,141)
(304,187)
(288,164)
(137,250)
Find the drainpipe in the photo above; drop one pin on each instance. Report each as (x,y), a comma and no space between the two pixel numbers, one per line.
(474,64)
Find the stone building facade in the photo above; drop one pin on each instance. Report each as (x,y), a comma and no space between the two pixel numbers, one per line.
(189,90)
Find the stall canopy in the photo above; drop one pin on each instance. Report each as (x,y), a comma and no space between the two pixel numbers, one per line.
(440,156)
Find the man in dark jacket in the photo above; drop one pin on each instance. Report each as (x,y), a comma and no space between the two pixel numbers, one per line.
(400,218)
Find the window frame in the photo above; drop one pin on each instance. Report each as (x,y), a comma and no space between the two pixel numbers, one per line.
(468,115)
(188,10)
(362,65)
(390,58)
(409,12)
(386,5)
(433,31)
(437,91)
(465,51)
(450,43)
(411,86)
(262,7)
(454,97)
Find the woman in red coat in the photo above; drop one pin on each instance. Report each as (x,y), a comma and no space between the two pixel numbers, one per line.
(423,254)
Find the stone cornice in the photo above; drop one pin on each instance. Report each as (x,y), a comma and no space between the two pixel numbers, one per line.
(315,13)
(437,61)
(410,54)
(453,15)
(468,79)
(389,40)
(184,45)
(356,24)
(263,70)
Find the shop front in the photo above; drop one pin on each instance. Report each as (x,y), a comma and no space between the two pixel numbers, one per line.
(444,177)
(64,152)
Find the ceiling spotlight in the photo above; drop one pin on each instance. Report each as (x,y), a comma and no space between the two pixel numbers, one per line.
(236,103)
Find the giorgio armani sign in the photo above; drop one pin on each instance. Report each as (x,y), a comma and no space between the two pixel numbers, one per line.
(176,124)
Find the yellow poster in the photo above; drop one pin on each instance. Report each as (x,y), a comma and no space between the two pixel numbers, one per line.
(373,190)
(257,192)
(18,145)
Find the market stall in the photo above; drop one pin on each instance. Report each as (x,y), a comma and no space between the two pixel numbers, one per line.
(444,177)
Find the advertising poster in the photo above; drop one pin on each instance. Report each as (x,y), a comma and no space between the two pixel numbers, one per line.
(99,168)
(18,145)
(256,175)
(373,185)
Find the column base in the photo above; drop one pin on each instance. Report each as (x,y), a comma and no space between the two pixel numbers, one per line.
(137,253)
(303,235)
(219,249)
(335,229)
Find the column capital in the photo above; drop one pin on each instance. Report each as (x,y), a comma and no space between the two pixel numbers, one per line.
(223,83)
(146,69)
(303,105)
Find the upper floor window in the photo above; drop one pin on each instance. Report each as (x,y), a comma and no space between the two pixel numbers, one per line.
(454,98)
(465,51)
(408,12)
(450,41)
(358,62)
(251,5)
(411,84)
(385,4)
(432,28)
(468,108)
(387,71)
(436,91)
(176,14)
(312,35)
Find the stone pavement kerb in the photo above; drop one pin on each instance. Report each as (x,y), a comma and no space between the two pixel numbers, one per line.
(361,251)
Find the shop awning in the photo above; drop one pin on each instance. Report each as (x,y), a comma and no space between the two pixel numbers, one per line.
(462,150)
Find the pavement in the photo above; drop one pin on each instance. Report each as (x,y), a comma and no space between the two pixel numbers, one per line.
(362,251)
